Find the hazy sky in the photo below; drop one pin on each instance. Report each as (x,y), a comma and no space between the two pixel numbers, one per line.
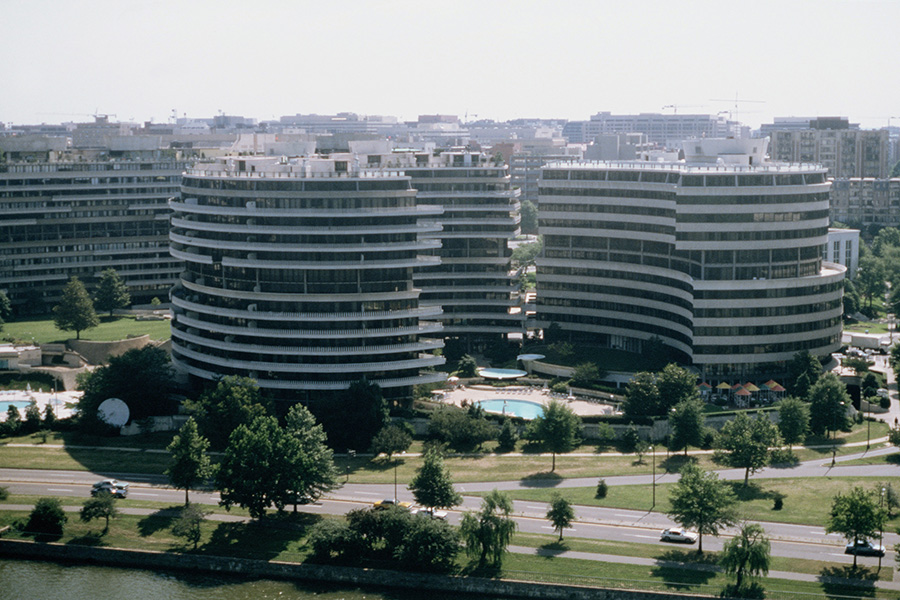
(63,60)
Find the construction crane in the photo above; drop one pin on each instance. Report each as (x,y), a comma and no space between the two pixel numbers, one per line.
(733,115)
(675,107)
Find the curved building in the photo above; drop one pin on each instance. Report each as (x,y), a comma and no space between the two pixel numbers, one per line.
(299,274)
(719,255)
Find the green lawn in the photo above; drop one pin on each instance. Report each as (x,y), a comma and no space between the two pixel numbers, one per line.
(42,330)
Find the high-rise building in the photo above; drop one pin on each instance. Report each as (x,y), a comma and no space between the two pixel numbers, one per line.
(299,273)
(720,256)
(844,152)
(869,203)
(80,216)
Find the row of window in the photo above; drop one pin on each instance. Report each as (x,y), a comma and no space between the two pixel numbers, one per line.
(731,348)
(751,236)
(753,330)
(593,192)
(610,225)
(617,307)
(297,185)
(761,312)
(765,217)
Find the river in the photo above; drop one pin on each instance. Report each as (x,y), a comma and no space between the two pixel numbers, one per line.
(22,579)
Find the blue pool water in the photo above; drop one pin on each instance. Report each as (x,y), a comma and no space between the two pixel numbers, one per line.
(501,373)
(20,404)
(514,408)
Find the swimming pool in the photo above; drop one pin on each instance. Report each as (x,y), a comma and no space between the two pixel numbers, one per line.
(514,408)
(501,373)
(20,404)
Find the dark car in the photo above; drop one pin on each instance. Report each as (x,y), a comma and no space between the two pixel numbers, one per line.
(110,486)
(864,548)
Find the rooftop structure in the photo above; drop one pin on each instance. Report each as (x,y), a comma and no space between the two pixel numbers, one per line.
(720,256)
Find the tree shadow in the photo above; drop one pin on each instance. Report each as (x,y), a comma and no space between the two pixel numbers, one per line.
(546,479)
(783,459)
(844,580)
(381,465)
(92,538)
(263,539)
(676,575)
(552,549)
(161,519)
(474,569)
(893,459)
(689,556)
(44,538)
(675,462)
(752,491)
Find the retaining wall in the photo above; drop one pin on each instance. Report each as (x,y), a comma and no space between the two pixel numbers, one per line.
(98,353)
(306,572)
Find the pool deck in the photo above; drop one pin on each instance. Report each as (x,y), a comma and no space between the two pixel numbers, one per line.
(465,395)
(58,401)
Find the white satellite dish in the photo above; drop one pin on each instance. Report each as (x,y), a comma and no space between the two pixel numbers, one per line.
(113,411)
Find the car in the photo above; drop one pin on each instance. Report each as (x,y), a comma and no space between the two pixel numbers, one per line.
(118,489)
(388,502)
(678,535)
(431,512)
(864,548)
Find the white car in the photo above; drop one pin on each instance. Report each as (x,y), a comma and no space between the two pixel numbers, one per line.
(431,512)
(678,535)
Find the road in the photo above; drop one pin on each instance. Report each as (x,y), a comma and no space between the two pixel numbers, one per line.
(792,541)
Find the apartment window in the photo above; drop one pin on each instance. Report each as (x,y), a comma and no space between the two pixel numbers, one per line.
(836,254)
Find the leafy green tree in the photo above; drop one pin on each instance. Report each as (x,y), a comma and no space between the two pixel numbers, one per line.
(828,404)
(488,532)
(633,442)
(467,367)
(32,418)
(462,431)
(49,416)
(190,465)
(686,421)
(331,539)
(747,553)
(360,413)
(857,516)
(47,517)
(745,442)
(189,524)
(869,385)
(141,377)
(13,421)
(75,311)
(586,374)
(111,293)
(234,401)
(870,278)
(305,461)
(5,308)
(859,365)
(99,507)
(557,430)
(432,485)
(248,476)
(802,364)
(525,254)
(641,396)
(851,300)
(887,237)
(702,502)
(675,384)
(529,217)
(429,545)
(508,436)
(560,513)
(392,439)
(793,420)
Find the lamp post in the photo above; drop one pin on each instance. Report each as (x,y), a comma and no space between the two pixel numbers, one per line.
(351,454)
(834,434)
(395,482)
(881,534)
(653,453)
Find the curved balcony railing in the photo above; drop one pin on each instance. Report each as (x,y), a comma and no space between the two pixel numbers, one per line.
(321,265)
(192,241)
(413,227)
(246,290)
(283,213)
(310,334)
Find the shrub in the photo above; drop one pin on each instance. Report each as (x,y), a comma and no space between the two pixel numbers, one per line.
(778,502)
(332,539)
(47,517)
(508,436)
(467,366)
(4,493)
(885,403)
(602,489)
(561,387)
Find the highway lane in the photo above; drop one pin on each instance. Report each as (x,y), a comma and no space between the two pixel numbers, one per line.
(792,541)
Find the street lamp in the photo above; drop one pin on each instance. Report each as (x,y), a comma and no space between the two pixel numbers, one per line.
(834,434)
(395,482)
(653,453)
(351,454)
(881,534)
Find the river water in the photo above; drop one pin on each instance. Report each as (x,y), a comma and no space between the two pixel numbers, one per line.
(33,580)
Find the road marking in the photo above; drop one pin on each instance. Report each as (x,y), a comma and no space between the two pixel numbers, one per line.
(623,515)
(547,527)
(649,537)
(367,494)
(58,490)
(142,494)
(533,507)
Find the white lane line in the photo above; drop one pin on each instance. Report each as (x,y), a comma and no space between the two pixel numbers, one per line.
(630,516)
(366,494)
(142,494)
(649,537)
(533,507)
(547,527)
(59,490)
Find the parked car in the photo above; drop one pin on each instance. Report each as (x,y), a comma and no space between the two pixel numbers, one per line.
(110,486)
(678,535)
(431,512)
(864,548)
(387,502)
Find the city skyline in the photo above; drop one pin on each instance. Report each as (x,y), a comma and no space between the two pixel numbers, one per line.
(141,61)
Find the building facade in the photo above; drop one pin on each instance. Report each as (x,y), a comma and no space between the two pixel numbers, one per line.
(844,152)
(842,248)
(665,130)
(869,203)
(299,274)
(718,255)
(63,218)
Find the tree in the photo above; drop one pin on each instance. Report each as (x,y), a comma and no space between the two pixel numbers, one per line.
(802,363)
(5,308)
(641,396)
(102,506)
(586,374)
(793,420)
(857,516)
(112,293)
(745,442)
(702,502)
(828,404)
(870,278)
(675,384)
(141,377)
(32,418)
(686,421)
(305,461)
(851,300)
(467,367)
(428,545)
(508,436)
(432,485)
(75,311)
(189,524)
(462,431)
(190,464)
(633,442)
(524,255)
(49,416)
(392,439)
(859,365)
(747,553)
(234,401)
(557,430)
(13,420)
(560,513)
(47,517)
(247,476)
(529,217)
(488,532)
(359,413)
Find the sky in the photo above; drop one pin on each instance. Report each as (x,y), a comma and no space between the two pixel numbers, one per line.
(140,60)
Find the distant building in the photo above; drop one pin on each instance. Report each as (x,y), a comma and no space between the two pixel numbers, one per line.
(869,203)
(720,256)
(842,248)
(665,130)
(299,274)
(843,150)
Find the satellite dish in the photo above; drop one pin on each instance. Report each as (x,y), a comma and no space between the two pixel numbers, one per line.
(113,411)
